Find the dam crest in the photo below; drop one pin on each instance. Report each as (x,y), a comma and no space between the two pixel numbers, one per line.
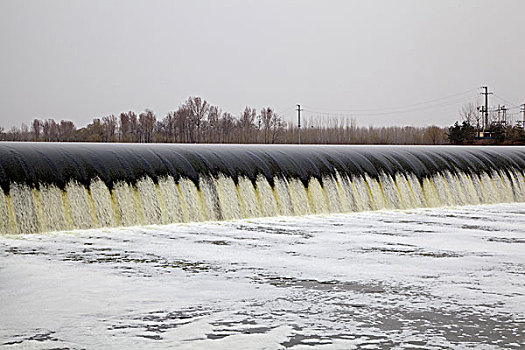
(55,187)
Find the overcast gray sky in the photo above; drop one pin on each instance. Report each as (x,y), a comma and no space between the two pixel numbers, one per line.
(78,60)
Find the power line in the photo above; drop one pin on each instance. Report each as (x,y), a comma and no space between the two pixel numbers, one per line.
(422,108)
(506,101)
(515,107)
(391,108)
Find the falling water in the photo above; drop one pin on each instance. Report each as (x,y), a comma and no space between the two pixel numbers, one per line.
(50,187)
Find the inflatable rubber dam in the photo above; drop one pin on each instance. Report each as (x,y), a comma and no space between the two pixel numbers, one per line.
(60,186)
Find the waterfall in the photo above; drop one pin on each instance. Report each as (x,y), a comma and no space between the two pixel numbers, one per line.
(52,187)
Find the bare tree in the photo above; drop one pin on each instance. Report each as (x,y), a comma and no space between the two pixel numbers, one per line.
(133,127)
(227,125)
(50,130)
(470,114)
(25,134)
(182,124)
(147,121)
(66,130)
(169,127)
(110,127)
(94,132)
(124,127)
(36,129)
(265,118)
(246,124)
(198,110)
(277,126)
(214,125)
(434,135)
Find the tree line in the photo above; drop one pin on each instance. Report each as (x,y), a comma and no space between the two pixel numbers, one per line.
(197,121)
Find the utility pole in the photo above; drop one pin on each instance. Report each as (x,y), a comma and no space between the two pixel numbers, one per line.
(504,111)
(481,110)
(299,121)
(486,110)
(523,111)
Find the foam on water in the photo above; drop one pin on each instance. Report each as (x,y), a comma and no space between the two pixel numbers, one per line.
(436,278)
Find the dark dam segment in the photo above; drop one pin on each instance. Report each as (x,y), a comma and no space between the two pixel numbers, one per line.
(60,186)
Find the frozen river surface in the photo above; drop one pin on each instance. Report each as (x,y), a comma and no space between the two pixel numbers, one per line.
(426,279)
